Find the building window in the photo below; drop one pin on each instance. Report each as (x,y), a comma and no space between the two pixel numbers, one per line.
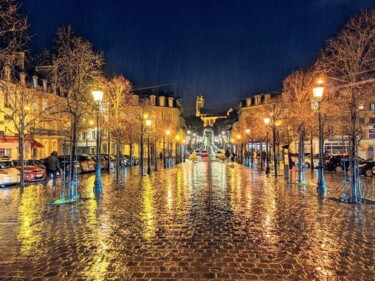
(372,107)
(372,120)
(5,152)
(6,99)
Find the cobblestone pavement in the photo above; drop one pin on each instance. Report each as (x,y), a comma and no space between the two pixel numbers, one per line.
(197,221)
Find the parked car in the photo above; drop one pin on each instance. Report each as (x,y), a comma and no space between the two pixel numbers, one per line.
(204,153)
(220,155)
(126,161)
(315,161)
(367,167)
(197,152)
(337,163)
(86,163)
(8,173)
(104,161)
(64,161)
(32,172)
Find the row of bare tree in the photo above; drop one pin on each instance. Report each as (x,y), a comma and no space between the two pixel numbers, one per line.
(77,69)
(346,66)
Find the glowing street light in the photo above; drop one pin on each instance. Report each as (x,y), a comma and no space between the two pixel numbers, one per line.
(148,124)
(167,133)
(98,188)
(267,122)
(318,96)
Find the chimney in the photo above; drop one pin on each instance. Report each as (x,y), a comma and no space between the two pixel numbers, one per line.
(170,101)
(257,99)
(248,102)
(54,88)
(21,60)
(152,99)
(267,98)
(7,72)
(35,81)
(44,85)
(136,99)
(22,78)
(161,101)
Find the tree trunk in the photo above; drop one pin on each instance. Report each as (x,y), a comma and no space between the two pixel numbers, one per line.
(301,157)
(21,158)
(117,168)
(311,152)
(352,153)
(275,164)
(109,153)
(261,155)
(155,155)
(131,154)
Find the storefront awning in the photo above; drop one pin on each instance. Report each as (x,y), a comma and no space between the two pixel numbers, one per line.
(14,139)
(36,144)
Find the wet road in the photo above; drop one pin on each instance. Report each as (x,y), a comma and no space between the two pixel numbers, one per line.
(198,221)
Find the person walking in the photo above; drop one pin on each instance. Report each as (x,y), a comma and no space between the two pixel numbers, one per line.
(52,166)
(232,156)
(227,153)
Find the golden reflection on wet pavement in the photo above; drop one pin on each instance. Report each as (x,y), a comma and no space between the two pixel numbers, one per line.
(208,220)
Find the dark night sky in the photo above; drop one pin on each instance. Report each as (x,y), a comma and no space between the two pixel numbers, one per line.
(223,49)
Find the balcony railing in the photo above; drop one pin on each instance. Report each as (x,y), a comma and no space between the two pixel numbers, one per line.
(48,132)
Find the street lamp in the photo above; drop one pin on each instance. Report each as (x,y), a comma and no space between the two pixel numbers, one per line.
(98,188)
(167,133)
(267,122)
(148,124)
(318,96)
(184,149)
(248,146)
(239,159)
(177,140)
(141,164)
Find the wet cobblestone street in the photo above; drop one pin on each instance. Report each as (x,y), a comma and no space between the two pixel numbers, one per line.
(197,221)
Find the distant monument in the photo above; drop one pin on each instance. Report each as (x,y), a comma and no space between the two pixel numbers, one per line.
(208,119)
(199,104)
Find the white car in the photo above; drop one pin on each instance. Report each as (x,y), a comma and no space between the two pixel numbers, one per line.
(220,155)
(8,173)
(315,161)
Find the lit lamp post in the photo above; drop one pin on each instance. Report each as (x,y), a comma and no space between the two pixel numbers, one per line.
(167,133)
(148,124)
(318,96)
(177,140)
(233,142)
(267,122)
(239,156)
(248,146)
(185,149)
(98,188)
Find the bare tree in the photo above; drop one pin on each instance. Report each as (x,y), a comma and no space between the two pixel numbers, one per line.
(348,63)
(77,66)
(117,99)
(275,110)
(297,93)
(25,108)
(13,29)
